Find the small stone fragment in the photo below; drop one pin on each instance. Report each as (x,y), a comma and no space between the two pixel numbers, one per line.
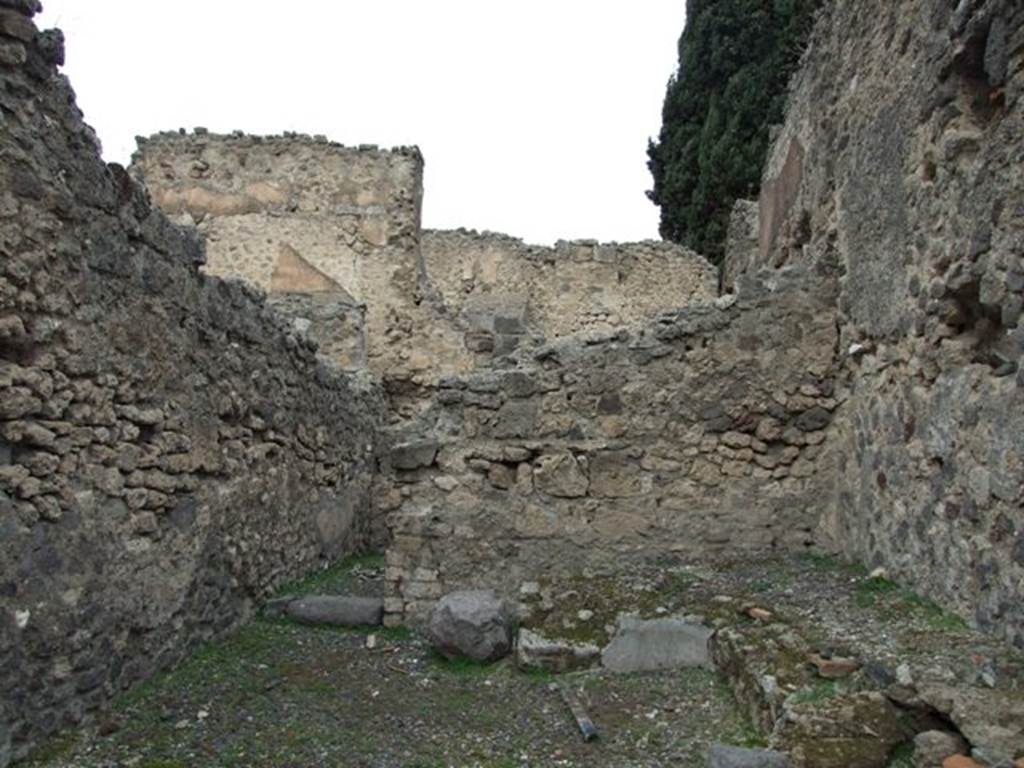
(960,761)
(758,614)
(903,675)
(835,667)
(535,651)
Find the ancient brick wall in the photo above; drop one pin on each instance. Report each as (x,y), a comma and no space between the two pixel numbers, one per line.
(699,434)
(909,118)
(170,451)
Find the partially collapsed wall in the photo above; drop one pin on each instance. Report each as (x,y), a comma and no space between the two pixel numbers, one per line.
(170,451)
(698,434)
(900,166)
(499,289)
(298,216)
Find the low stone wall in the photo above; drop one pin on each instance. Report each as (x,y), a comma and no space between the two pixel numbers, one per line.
(501,289)
(700,433)
(899,165)
(170,451)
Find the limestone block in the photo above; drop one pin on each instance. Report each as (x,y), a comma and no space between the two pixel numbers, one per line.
(559,474)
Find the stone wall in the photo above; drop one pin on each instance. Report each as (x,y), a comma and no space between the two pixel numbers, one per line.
(500,289)
(170,451)
(294,214)
(698,434)
(299,216)
(900,164)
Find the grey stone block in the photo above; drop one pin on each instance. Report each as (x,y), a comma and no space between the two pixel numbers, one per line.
(643,645)
(723,756)
(337,610)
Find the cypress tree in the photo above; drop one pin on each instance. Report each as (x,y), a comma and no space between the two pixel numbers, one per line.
(735,60)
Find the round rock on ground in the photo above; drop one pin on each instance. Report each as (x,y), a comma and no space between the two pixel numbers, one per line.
(473,624)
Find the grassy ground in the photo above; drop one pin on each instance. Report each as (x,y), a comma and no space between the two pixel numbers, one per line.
(284,695)
(278,694)
(281,694)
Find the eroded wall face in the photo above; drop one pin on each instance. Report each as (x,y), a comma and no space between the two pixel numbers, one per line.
(500,289)
(169,451)
(700,434)
(909,117)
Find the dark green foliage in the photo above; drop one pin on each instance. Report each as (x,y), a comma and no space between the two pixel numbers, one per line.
(735,59)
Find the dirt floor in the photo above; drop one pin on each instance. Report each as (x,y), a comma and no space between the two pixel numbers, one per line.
(281,694)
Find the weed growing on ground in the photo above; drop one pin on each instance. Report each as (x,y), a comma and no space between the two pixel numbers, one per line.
(935,617)
(461,667)
(821,560)
(869,590)
(823,691)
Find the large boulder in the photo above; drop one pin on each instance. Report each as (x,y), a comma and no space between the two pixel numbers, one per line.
(473,624)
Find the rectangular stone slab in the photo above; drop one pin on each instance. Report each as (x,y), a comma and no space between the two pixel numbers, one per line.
(648,644)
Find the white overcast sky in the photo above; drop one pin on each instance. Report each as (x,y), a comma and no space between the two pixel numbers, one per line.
(533,115)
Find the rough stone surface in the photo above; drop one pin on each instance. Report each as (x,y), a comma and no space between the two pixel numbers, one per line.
(474,624)
(906,119)
(337,610)
(170,451)
(171,448)
(932,747)
(498,286)
(685,435)
(724,756)
(303,217)
(643,645)
(296,215)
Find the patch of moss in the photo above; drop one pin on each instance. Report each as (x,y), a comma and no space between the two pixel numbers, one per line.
(820,560)
(58,748)
(335,579)
(934,616)
(748,737)
(540,676)
(461,667)
(902,756)
(869,590)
